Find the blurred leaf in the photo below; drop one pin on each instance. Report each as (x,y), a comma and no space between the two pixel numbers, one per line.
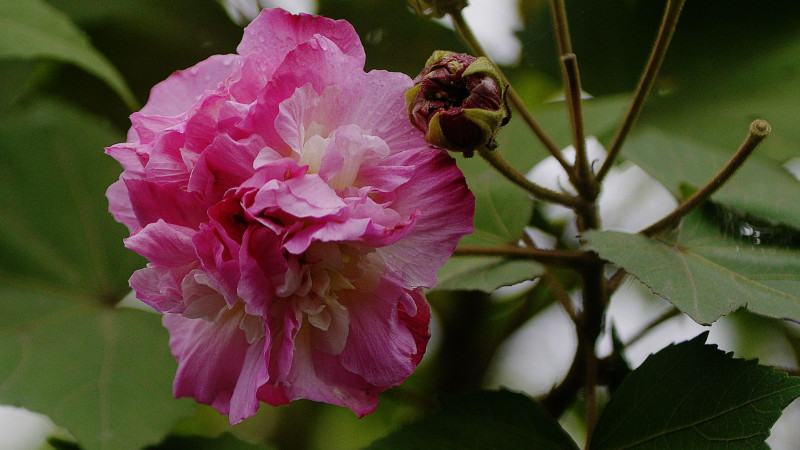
(691,395)
(394,37)
(501,212)
(485,273)
(55,229)
(746,65)
(105,374)
(226,441)
(707,274)
(761,187)
(34,29)
(482,420)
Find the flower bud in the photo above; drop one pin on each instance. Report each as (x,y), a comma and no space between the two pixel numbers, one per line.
(437,8)
(458,101)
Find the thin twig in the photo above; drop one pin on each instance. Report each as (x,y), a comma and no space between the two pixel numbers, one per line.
(665,33)
(558,258)
(465,32)
(584,178)
(669,314)
(561,27)
(759,130)
(496,160)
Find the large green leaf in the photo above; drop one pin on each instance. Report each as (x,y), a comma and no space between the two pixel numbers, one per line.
(34,29)
(103,373)
(707,274)
(55,229)
(692,395)
(482,420)
(761,188)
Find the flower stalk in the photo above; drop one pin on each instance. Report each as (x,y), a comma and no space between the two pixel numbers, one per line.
(496,160)
(759,130)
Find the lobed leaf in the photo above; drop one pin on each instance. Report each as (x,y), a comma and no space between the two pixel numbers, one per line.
(692,395)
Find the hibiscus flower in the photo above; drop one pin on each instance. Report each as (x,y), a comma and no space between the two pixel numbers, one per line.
(291,216)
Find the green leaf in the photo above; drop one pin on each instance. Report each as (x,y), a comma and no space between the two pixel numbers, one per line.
(485,273)
(34,29)
(761,187)
(501,212)
(55,229)
(103,373)
(692,395)
(707,274)
(226,441)
(482,420)
(715,99)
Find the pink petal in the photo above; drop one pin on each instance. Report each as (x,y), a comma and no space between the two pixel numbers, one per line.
(210,357)
(380,347)
(164,244)
(167,201)
(438,191)
(119,205)
(275,32)
(223,165)
(175,95)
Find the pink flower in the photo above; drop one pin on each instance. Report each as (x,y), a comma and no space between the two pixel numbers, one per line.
(291,216)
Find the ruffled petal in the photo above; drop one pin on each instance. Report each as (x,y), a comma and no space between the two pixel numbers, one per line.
(175,95)
(380,348)
(275,32)
(164,244)
(211,358)
(446,207)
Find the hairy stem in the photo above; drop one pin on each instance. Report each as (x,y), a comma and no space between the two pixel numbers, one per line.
(465,32)
(496,160)
(759,130)
(665,33)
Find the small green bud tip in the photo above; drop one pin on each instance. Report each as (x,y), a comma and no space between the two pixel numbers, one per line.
(437,8)
(459,102)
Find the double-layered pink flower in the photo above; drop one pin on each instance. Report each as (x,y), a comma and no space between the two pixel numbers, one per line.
(291,216)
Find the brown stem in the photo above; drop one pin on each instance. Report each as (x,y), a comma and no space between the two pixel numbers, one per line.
(584,178)
(759,130)
(556,286)
(665,33)
(558,258)
(561,27)
(496,160)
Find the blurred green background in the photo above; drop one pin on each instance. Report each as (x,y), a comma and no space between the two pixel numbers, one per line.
(105,373)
